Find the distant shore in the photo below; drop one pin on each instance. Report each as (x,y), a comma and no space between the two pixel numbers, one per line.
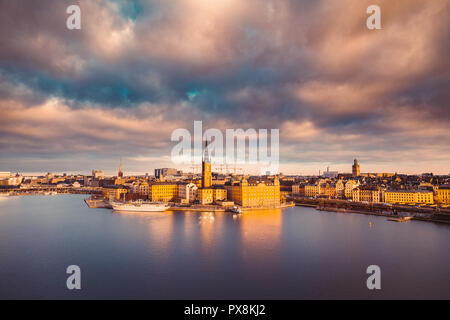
(437,215)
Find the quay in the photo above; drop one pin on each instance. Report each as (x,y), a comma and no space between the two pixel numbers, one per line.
(422,213)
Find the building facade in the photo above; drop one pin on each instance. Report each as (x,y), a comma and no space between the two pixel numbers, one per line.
(443,194)
(409,196)
(163,192)
(255,193)
(187,192)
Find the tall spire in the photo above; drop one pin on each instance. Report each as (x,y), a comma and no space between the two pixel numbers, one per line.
(120,174)
(206,154)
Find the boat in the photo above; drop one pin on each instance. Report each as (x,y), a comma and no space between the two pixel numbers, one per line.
(236,210)
(400,219)
(98,203)
(139,206)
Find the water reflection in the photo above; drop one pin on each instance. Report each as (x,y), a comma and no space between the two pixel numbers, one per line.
(262,254)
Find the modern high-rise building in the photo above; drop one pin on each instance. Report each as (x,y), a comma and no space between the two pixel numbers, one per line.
(356,169)
(162,172)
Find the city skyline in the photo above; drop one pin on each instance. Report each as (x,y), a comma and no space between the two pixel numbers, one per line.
(77,100)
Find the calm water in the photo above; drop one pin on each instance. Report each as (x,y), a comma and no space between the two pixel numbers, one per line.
(291,254)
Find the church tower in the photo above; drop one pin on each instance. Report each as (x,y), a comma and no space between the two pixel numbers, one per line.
(355,169)
(206,169)
(120,174)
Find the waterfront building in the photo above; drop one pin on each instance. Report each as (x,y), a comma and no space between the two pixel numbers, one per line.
(313,190)
(368,194)
(298,189)
(114,192)
(187,192)
(211,195)
(11,180)
(409,196)
(141,188)
(163,192)
(329,190)
(355,168)
(256,193)
(443,194)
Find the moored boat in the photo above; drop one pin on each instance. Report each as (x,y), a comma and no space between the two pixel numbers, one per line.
(236,210)
(400,219)
(139,206)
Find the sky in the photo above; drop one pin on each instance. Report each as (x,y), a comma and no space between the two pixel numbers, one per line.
(77,100)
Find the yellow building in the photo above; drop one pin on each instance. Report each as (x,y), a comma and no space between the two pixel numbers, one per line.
(443,194)
(255,194)
(349,186)
(340,189)
(409,196)
(114,192)
(163,192)
(329,190)
(312,190)
(298,189)
(210,195)
(368,194)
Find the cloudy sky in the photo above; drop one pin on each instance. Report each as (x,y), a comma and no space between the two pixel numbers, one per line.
(74,100)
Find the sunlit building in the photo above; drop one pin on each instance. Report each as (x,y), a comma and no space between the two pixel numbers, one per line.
(114,192)
(349,186)
(443,194)
(409,196)
(313,190)
(255,193)
(187,192)
(163,192)
(368,194)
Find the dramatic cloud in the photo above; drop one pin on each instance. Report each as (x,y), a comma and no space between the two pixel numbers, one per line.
(139,69)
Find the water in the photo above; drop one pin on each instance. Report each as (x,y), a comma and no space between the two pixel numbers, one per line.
(296,253)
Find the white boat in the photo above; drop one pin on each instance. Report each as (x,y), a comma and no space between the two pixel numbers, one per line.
(139,206)
(236,210)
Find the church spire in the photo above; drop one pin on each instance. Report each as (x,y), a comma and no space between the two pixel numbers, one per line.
(206,157)
(120,174)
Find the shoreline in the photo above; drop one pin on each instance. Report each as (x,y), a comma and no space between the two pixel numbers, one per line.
(431,217)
